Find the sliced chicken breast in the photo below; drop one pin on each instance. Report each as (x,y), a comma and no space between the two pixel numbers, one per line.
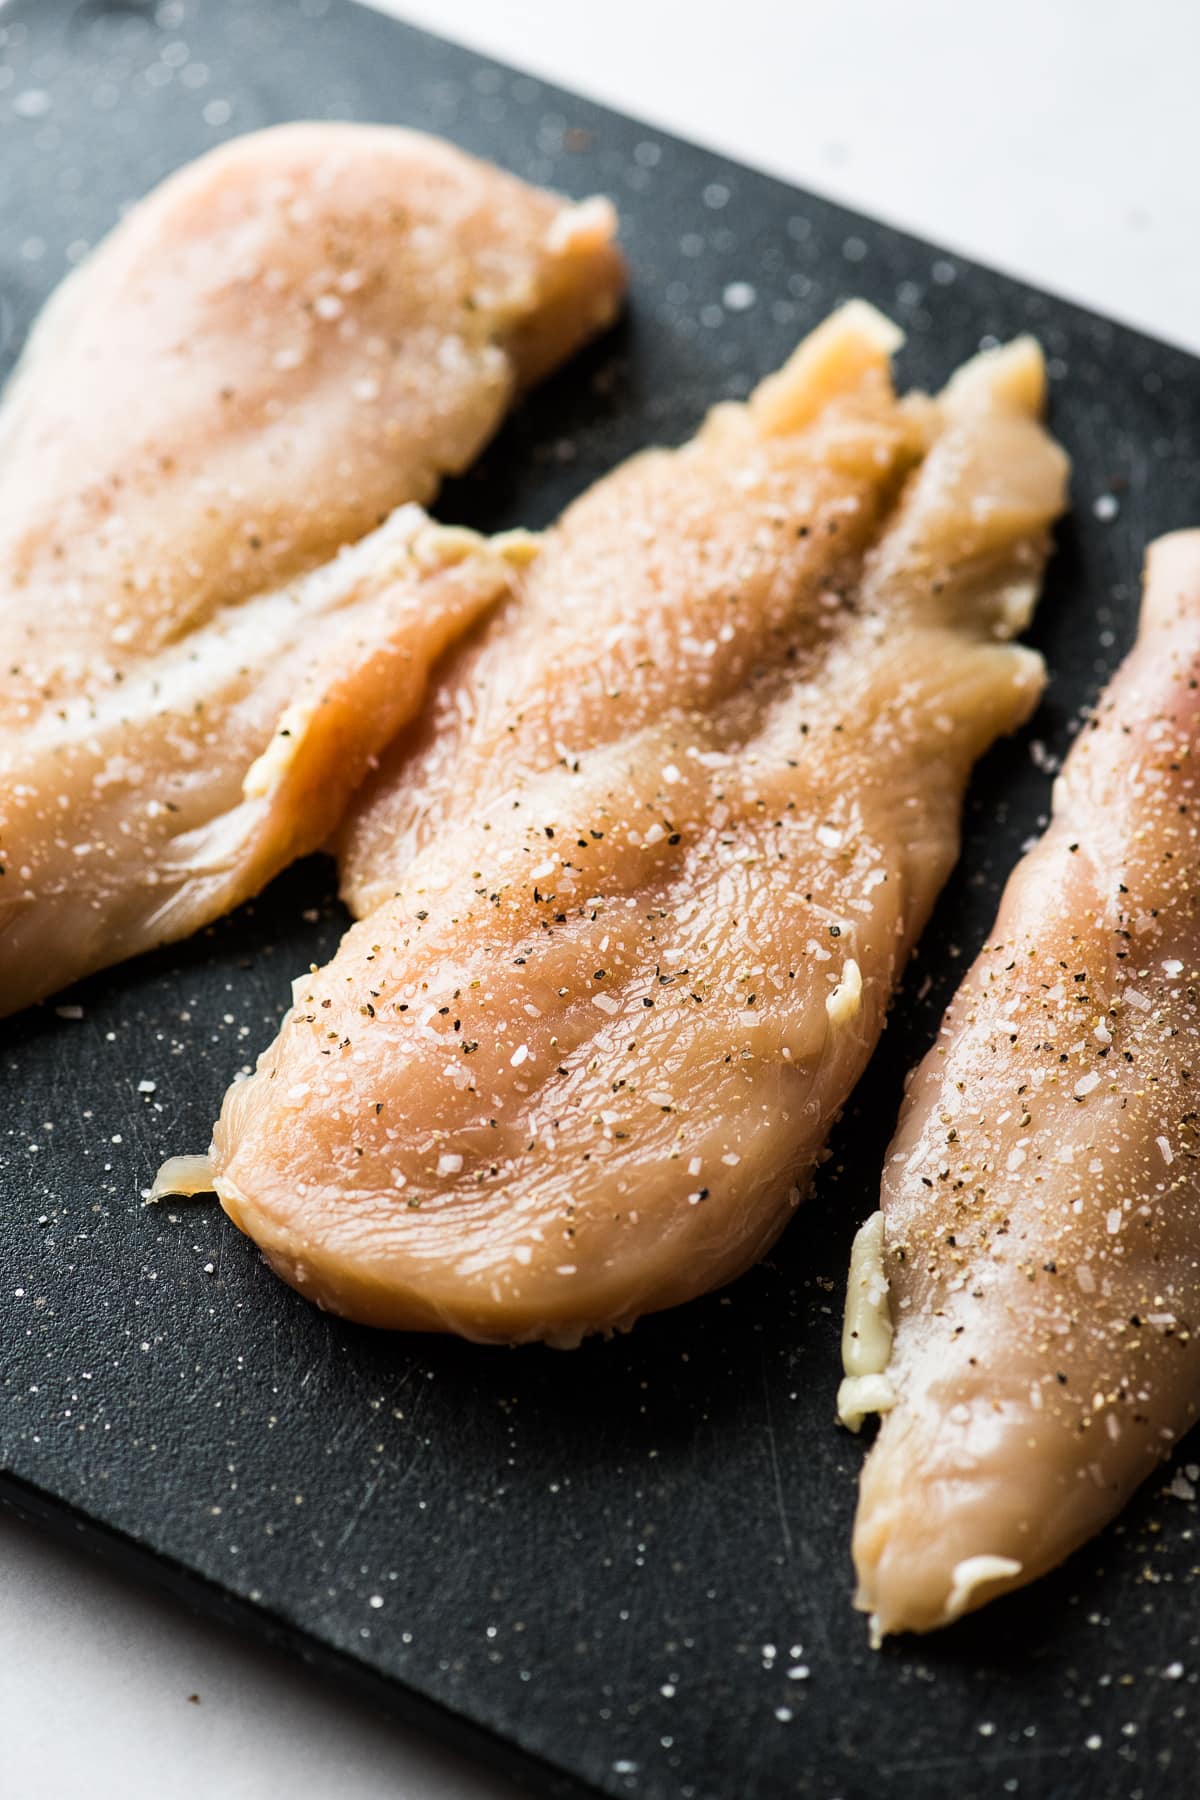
(636,892)
(288,340)
(1038,1257)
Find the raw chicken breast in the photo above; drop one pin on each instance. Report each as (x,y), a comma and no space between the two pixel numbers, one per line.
(637,893)
(1041,1206)
(288,340)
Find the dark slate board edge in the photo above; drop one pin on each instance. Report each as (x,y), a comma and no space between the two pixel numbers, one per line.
(162,1574)
(875,223)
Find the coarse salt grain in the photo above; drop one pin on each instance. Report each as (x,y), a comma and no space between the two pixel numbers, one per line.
(739,296)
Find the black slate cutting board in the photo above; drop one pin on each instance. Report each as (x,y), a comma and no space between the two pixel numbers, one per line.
(624,1569)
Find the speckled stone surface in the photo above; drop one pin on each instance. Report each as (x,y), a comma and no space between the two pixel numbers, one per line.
(624,1569)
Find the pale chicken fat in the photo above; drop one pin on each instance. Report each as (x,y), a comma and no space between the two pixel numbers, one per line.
(1041,1200)
(637,888)
(285,342)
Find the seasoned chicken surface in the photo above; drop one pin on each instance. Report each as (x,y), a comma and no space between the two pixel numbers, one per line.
(635,896)
(288,340)
(1041,1201)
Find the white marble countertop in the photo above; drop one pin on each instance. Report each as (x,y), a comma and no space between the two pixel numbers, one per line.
(1030,137)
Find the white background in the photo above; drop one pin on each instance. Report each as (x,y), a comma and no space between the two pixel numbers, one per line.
(1054,138)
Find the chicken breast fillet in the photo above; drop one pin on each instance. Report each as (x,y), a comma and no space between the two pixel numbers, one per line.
(635,895)
(1041,1201)
(289,339)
